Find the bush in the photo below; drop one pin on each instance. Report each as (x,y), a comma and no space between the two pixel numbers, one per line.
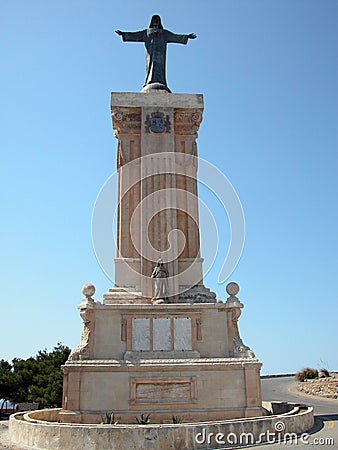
(110,419)
(177,419)
(306,374)
(143,419)
(324,373)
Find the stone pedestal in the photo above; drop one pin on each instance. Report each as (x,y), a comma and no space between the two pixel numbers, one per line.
(164,360)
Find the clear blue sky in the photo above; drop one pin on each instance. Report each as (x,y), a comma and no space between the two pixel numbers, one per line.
(268,73)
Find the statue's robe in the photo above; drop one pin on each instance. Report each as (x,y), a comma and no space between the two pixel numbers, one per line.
(160,274)
(155,40)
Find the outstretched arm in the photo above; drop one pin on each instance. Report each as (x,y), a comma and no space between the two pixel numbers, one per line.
(179,38)
(132,36)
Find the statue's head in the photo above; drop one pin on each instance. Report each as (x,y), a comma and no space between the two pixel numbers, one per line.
(160,262)
(156,22)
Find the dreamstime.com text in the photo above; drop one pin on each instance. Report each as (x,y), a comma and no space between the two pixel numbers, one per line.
(271,437)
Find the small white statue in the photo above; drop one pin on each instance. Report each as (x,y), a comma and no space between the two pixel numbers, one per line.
(160,274)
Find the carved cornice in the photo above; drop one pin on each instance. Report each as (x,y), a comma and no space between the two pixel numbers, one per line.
(240,361)
(126,120)
(187,121)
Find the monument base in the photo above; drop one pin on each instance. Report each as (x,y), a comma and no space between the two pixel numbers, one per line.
(182,359)
(194,389)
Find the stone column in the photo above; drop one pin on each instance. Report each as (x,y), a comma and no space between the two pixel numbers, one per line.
(156,135)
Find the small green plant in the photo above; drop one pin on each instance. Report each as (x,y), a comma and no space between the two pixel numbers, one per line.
(306,374)
(143,419)
(177,419)
(110,419)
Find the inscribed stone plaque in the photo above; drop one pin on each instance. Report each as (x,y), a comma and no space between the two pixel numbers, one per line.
(182,333)
(163,390)
(141,334)
(161,334)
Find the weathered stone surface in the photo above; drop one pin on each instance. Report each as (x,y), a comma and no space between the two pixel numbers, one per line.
(182,333)
(35,432)
(136,99)
(197,294)
(141,334)
(161,333)
(164,341)
(163,390)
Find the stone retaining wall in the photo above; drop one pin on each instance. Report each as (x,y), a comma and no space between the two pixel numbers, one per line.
(37,429)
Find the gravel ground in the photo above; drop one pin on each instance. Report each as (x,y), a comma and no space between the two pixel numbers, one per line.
(5,443)
(322,387)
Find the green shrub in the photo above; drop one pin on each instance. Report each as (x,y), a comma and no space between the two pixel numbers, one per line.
(177,419)
(143,419)
(110,419)
(306,374)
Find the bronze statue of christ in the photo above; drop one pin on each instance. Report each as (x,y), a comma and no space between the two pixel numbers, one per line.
(155,39)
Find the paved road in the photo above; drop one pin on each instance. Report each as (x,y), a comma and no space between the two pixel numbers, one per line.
(325,410)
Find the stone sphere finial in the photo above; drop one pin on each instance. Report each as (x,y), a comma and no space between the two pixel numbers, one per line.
(232,288)
(88,290)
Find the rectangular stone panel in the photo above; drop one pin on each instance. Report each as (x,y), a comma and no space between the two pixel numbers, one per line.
(163,390)
(182,333)
(161,334)
(141,334)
